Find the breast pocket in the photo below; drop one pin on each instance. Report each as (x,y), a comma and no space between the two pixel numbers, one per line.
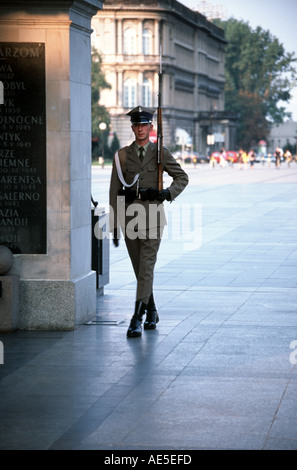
(130,171)
(151,175)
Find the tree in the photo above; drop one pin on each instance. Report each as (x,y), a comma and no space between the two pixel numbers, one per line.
(115,144)
(99,112)
(259,75)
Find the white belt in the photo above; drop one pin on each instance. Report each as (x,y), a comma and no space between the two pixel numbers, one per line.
(120,174)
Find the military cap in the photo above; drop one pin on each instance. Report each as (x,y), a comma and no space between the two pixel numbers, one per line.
(141,115)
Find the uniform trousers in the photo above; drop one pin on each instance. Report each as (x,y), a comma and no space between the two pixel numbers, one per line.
(143,252)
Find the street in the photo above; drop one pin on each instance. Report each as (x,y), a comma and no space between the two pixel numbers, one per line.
(219,372)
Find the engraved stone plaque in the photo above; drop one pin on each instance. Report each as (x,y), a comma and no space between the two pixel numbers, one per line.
(23,147)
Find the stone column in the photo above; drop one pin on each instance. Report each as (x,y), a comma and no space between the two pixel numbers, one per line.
(119,37)
(156,48)
(119,98)
(139,37)
(140,88)
(57,285)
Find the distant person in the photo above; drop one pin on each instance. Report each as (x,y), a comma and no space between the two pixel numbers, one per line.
(252,158)
(212,161)
(240,159)
(288,157)
(278,155)
(246,159)
(222,157)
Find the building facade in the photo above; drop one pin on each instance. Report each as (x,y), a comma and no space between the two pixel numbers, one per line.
(283,134)
(132,38)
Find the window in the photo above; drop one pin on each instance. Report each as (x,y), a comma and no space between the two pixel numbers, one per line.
(146,41)
(146,92)
(130,41)
(129,93)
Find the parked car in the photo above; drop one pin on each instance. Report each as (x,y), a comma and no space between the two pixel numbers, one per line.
(192,157)
(267,158)
(232,156)
(202,159)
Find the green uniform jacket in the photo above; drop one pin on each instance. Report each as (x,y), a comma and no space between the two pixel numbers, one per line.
(148,178)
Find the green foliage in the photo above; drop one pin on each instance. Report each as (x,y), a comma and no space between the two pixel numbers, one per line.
(99,112)
(259,75)
(115,144)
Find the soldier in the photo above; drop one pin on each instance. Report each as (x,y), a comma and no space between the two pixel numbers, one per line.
(137,208)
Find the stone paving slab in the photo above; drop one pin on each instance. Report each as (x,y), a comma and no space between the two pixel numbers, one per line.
(218,373)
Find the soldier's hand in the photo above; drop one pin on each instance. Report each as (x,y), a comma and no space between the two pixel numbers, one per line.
(164,194)
(153,194)
(115,238)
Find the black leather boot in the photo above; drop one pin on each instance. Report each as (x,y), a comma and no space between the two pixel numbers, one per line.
(152,316)
(134,329)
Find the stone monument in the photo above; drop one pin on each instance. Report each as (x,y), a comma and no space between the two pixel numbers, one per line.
(9,293)
(45,158)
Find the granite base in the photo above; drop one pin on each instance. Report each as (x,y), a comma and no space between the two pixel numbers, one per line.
(57,304)
(9,303)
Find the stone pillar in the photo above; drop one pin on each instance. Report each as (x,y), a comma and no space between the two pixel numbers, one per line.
(140,87)
(119,49)
(119,91)
(57,285)
(156,50)
(9,293)
(139,37)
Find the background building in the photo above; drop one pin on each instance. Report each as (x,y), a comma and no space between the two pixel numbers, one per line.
(128,35)
(283,134)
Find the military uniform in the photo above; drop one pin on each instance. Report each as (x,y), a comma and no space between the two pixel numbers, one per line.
(137,208)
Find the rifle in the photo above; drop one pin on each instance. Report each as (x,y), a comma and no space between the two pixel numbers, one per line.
(160,130)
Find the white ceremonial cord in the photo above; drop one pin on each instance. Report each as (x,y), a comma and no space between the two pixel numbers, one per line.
(120,174)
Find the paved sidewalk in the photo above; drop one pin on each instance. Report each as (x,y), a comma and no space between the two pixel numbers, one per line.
(218,373)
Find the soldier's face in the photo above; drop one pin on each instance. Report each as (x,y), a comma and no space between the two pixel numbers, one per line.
(142,132)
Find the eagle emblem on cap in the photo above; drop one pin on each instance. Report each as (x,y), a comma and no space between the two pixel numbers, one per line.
(141,115)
